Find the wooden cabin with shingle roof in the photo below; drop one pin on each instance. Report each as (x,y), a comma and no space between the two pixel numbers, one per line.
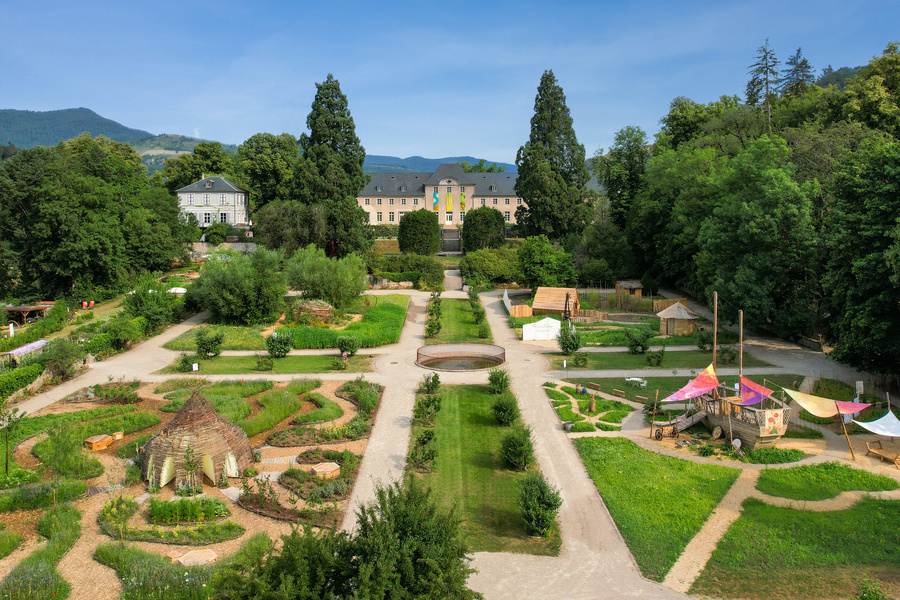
(218,446)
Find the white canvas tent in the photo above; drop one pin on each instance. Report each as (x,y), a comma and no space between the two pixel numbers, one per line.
(888,425)
(545,329)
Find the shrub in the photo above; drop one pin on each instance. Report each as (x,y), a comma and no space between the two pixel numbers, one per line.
(16,379)
(427,408)
(237,288)
(99,343)
(517,449)
(185,364)
(638,339)
(569,339)
(367,400)
(122,331)
(338,281)
(726,356)
(431,383)
(539,503)
(498,380)
(489,266)
(483,228)
(433,327)
(705,341)
(423,452)
(264,363)
(209,343)
(151,302)
(60,357)
(419,232)
(506,410)
(278,346)
(484,330)
(348,344)
(580,361)
(655,359)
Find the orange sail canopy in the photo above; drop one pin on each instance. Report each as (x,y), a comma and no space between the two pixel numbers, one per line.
(701,384)
(825,407)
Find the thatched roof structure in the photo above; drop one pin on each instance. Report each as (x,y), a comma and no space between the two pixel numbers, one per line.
(676,311)
(217,446)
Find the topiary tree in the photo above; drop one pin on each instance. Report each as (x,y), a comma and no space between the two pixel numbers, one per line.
(569,339)
(539,503)
(348,344)
(209,343)
(483,228)
(419,232)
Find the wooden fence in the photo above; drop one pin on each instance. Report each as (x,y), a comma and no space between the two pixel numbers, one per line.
(663,304)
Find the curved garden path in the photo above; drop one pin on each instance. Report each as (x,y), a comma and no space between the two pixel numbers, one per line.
(594,560)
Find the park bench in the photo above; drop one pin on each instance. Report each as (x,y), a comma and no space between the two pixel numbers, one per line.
(595,386)
(618,393)
(878,450)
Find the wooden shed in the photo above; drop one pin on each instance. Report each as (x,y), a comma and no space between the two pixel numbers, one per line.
(629,287)
(552,301)
(677,320)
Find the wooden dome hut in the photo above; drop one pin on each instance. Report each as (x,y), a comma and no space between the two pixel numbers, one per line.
(217,446)
(677,320)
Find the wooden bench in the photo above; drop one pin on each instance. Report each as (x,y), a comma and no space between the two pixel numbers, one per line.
(595,386)
(878,450)
(618,393)
(640,399)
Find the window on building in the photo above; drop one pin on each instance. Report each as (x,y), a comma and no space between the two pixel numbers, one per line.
(462,216)
(401,214)
(506,216)
(190,199)
(435,189)
(462,189)
(495,201)
(449,189)
(368,201)
(483,201)
(415,201)
(403,201)
(506,201)
(390,217)
(493,188)
(378,201)
(209,183)
(222,199)
(379,188)
(239,199)
(448,217)
(519,201)
(378,217)
(207,218)
(223,217)
(391,201)
(206,199)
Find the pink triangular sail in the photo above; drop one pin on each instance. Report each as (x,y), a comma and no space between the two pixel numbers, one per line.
(753,393)
(701,384)
(825,407)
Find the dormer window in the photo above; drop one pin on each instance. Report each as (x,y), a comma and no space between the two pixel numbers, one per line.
(379,188)
(493,188)
(402,187)
(209,183)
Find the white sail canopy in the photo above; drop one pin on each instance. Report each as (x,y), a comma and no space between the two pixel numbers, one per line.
(888,425)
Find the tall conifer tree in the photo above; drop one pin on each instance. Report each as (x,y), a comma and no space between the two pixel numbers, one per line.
(763,78)
(552,170)
(797,76)
(331,170)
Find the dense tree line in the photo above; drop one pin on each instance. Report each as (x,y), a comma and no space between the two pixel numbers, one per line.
(79,218)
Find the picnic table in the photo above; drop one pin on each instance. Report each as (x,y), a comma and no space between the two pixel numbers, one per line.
(637,382)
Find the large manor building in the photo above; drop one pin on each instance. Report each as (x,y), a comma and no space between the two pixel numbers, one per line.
(450,192)
(215,200)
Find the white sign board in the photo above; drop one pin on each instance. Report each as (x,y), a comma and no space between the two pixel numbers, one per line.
(545,329)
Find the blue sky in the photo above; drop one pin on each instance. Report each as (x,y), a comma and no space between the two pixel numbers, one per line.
(428,79)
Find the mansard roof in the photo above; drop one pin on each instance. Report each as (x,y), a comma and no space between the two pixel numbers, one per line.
(212,185)
(451,170)
(414,184)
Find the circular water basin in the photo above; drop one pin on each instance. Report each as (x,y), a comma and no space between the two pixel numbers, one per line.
(460,357)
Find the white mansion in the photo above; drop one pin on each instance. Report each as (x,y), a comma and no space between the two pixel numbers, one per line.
(215,200)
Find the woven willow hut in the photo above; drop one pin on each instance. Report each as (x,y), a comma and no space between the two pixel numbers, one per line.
(217,445)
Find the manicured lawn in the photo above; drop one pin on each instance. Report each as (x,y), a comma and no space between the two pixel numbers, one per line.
(818,482)
(236,365)
(469,475)
(624,360)
(659,503)
(457,324)
(236,338)
(776,553)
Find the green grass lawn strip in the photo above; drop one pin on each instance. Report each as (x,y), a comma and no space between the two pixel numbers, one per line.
(457,324)
(615,416)
(229,398)
(328,410)
(9,541)
(821,481)
(565,413)
(468,474)
(659,503)
(603,405)
(689,359)
(278,405)
(605,427)
(247,337)
(239,365)
(803,554)
(557,396)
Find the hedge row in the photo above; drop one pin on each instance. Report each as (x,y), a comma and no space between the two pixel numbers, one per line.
(380,325)
(16,379)
(54,321)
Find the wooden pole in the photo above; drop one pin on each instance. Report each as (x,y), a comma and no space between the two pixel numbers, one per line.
(653,417)
(741,346)
(715,327)
(841,417)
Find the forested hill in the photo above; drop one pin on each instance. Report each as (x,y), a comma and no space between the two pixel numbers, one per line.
(417,164)
(27,128)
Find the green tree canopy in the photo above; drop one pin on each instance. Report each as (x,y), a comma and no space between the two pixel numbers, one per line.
(419,232)
(484,227)
(207,159)
(552,170)
(481,167)
(543,264)
(763,80)
(267,164)
(621,171)
(797,76)
(291,225)
(331,172)
(338,281)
